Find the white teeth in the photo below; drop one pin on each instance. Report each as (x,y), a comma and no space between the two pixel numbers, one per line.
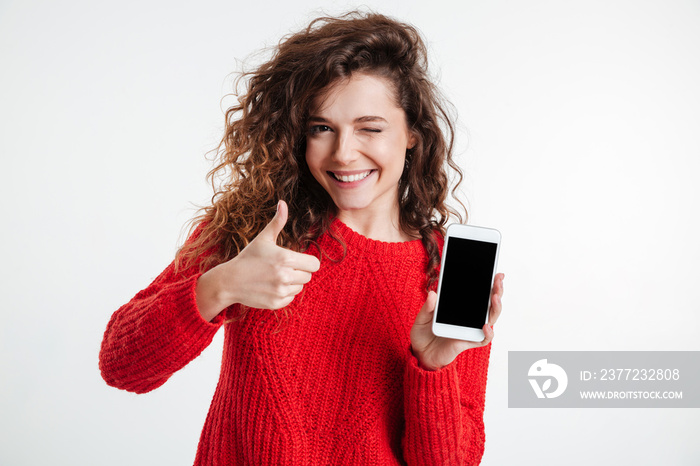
(351,178)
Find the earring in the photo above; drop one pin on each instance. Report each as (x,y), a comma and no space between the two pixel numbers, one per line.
(409,156)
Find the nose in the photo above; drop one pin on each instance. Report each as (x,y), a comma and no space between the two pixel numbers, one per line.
(344,152)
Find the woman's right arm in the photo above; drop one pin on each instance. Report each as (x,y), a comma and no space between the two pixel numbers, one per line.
(156,333)
(170,323)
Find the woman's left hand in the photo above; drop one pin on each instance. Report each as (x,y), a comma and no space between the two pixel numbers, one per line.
(435,352)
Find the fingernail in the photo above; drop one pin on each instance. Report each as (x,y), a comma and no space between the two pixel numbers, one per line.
(278,205)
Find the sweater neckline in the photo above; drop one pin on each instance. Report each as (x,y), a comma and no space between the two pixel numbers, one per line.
(373,246)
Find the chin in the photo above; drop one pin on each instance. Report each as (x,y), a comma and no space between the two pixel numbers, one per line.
(350,205)
(350,202)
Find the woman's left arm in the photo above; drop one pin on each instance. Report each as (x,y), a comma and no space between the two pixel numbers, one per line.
(444,391)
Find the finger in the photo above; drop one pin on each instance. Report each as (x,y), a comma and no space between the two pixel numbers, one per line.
(301,261)
(294,290)
(273,229)
(495,311)
(282,302)
(425,315)
(488,334)
(499,283)
(299,277)
(283,296)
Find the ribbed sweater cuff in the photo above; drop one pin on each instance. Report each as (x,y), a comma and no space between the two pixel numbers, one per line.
(185,332)
(433,415)
(185,300)
(162,337)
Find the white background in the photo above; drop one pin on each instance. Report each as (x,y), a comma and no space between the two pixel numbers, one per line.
(578,134)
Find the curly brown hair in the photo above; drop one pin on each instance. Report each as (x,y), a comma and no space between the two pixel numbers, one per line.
(261,157)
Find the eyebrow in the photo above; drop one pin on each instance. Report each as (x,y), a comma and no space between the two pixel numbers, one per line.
(362,119)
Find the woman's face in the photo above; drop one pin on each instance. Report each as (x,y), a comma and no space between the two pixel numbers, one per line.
(356,145)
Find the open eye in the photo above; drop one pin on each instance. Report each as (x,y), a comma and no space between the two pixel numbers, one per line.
(315,129)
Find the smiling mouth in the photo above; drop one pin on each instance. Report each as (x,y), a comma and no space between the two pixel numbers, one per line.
(351,177)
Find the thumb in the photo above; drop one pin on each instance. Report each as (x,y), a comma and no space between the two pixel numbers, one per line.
(273,229)
(425,316)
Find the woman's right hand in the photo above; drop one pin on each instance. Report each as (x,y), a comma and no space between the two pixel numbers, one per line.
(263,275)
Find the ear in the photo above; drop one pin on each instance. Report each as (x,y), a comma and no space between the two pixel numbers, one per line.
(412,141)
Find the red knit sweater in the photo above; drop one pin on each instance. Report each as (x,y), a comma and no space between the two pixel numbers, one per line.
(333,383)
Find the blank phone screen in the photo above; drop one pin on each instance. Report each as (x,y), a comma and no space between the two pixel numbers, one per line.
(466,282)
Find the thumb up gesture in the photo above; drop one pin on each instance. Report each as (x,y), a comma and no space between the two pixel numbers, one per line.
(263,275)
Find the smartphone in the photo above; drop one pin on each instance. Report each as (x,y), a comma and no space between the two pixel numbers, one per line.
(469,259)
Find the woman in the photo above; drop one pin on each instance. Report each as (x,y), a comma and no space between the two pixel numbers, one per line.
(319,255)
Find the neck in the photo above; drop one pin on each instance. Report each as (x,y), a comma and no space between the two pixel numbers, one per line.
(375,225)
